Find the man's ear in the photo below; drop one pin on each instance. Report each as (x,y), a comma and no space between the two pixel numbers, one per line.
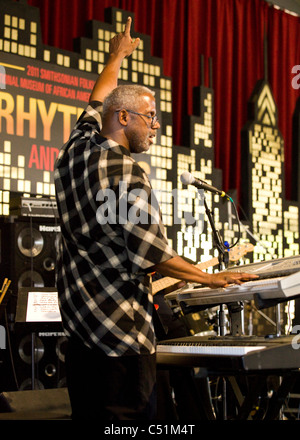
(123,117)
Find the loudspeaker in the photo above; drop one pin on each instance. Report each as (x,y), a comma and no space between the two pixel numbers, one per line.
(28,251)
(28,258)
(34,357)
(47,352)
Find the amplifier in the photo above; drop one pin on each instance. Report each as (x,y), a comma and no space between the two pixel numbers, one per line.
(33,207)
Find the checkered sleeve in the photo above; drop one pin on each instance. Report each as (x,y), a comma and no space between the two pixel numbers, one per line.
(139,213)
(146,241)
(88,124)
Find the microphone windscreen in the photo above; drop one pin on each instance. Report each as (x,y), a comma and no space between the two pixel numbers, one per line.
(186,178)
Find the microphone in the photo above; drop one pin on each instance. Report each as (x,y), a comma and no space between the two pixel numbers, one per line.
(188,179)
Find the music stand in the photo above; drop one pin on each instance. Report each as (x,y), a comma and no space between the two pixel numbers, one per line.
(37,311)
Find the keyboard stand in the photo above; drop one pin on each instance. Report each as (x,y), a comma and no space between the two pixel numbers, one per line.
(236,318)
(257,385)
(278,319)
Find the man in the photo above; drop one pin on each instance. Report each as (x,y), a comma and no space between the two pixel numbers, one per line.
(106,252)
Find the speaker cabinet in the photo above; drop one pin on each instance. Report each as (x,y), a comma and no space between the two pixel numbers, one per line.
(28,258)
(46,351)
(28,251)
(34,358)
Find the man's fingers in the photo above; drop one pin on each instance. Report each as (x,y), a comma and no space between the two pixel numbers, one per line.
(127,26)
(135,43)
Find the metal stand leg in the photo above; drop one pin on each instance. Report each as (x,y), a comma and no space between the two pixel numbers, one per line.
(222,331)
(278,319)
(33,361)
(222,321)
(236,311)
(279,396)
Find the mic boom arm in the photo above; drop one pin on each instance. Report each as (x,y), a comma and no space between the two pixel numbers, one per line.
(188,179)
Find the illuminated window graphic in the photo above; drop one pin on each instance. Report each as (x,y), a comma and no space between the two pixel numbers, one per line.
(276,223)
(19,36)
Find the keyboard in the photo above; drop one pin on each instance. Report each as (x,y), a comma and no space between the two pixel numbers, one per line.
(270,268)
(242,353)
(280,288)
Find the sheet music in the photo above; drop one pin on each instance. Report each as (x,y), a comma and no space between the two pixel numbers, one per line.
(42,307)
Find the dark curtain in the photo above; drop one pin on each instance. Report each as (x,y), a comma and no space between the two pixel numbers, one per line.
(231,32)
(283,54)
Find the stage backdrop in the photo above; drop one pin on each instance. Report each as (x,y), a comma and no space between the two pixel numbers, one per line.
(216,97)
(231,32)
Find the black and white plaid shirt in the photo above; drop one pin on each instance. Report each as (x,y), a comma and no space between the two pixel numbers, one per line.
(112,234)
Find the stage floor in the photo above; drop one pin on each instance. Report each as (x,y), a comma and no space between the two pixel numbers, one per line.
(48,404)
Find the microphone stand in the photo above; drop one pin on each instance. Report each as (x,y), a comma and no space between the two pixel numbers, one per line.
(235,309)
(223,263)
(223,259)
(217,241)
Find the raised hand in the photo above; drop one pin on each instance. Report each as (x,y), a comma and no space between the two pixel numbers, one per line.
(123,43)
(120,46)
